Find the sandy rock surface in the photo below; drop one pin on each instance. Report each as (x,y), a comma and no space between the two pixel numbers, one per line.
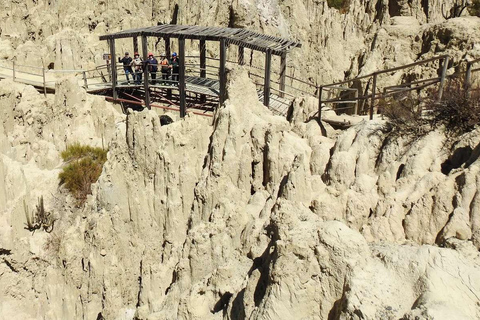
(246,215)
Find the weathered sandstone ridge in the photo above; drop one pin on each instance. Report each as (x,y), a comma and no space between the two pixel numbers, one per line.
(370,36)
(248,216)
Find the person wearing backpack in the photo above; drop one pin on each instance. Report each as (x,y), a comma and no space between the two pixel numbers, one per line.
(152,67)
(165,65)
(127,60)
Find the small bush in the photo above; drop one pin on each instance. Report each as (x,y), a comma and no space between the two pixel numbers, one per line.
(84,168)
(458,112)
(342,5)
(474,8)
(40,218)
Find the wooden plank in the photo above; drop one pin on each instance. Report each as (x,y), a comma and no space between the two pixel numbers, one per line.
(283,72)
(223,76)
(266,87)
(181,77)
(145,73)
(113,66)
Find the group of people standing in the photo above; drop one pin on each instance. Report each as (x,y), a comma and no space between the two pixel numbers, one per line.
(136,66)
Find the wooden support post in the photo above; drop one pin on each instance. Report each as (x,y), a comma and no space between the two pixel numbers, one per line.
(13,69)
(113,71)
(241,55)
(320,102)
(181,77)
(356,102)
(374,90)
(44,82)
(85,82)
(223,71)
(203,65)
(266,86)
(468,79)
(203,59)
(168,47)
(283,73)
(135,45)
(145,72)
(442,79)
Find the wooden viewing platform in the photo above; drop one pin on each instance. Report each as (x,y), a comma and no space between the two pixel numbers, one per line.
(226,37)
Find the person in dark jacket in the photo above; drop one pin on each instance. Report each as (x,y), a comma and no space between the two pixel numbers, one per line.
(152,67)
(127,66)
(175,62)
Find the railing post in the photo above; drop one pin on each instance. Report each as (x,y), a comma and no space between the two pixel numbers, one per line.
(442,79)
(146,88)
(223,71)
(320,91)
(44,82)
(266,86)
(468,79)
(203,65)
(85,82)
(113,66)
(135,44)
(13,69)
(356,102)
(181,77)
(374,89)
(283,71)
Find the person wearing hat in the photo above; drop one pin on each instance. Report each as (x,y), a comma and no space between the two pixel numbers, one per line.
(152,67)
(175,62)
(127,61)
(137,64)
(165,64)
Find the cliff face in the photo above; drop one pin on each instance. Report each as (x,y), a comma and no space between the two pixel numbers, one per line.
(248,216)
(335,44)
(245,215)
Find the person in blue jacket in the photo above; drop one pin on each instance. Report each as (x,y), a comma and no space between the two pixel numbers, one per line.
(127,66)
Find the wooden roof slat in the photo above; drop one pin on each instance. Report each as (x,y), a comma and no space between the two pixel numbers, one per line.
(241,37)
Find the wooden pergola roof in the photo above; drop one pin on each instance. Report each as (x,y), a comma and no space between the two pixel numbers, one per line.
(240,37)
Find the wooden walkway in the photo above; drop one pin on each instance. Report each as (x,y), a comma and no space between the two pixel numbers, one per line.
(196,85)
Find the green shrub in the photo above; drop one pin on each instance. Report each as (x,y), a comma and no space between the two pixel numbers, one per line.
(84,167)
(342,5)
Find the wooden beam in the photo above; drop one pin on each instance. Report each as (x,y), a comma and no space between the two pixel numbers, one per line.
(320,103)
(374,90)
(113,66)
(241,55)
(145,72)
(203,65)
(283,73)
(266,86)
(181,77)
(442,79)
(168,47)
(135,45)
(223,72)
(203,59)
(468,78)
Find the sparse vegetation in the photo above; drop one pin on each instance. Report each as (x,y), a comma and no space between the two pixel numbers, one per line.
(342,5)
(84,167)
(458,112)
(39,218)
(474,8)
